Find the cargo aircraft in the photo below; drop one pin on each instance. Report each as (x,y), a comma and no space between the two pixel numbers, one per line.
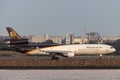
(56,51)
(74,49)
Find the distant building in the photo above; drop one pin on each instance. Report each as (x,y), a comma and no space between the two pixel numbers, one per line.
(40,39)
(93,37)
(80,40)
(69,38)
(106,39)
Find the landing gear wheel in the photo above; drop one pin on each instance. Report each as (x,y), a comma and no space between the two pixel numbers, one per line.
(55,58)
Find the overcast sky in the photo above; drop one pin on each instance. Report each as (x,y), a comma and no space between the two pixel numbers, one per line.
(58,17)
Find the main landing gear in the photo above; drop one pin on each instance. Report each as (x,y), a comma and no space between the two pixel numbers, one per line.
(100,56)
(56,57)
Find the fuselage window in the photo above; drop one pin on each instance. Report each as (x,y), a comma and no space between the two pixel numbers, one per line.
(111,47)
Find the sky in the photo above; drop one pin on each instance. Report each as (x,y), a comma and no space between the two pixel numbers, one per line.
(60,17)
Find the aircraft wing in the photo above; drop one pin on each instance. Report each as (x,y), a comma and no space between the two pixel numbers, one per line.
(60,53)
(52,52)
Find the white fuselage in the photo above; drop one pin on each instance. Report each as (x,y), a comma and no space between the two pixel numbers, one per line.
(76,49)
(81,49)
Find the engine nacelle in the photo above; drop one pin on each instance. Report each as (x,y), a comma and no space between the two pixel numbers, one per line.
(69,54)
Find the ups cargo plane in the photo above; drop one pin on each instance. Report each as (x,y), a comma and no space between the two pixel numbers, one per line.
(72,50)
(55,51)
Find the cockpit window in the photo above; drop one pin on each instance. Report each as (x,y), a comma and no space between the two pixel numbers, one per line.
(111,47)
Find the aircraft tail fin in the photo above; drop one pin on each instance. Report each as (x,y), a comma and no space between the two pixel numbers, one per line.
(12,33)
(15,38)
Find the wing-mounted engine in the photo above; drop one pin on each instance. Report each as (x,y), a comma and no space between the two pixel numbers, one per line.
(68,54)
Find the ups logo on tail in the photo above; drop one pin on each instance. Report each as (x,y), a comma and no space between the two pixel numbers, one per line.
(13,35)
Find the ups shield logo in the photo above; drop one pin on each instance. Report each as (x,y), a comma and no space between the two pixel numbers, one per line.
(13,35)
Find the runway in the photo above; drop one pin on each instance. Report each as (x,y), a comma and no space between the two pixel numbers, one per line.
(105,57)
(16,55)
(14,60)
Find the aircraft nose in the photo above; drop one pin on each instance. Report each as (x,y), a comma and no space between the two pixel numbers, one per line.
(113,50)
